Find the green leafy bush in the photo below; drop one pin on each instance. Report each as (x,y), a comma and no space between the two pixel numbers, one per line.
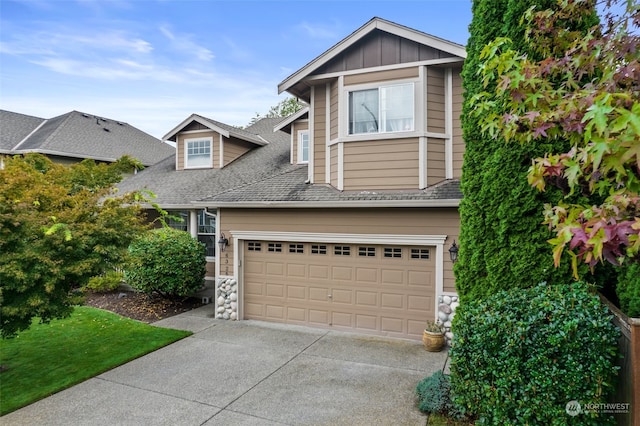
(628,290)
(166,261)
(434,396)
(107,282)
(520,356)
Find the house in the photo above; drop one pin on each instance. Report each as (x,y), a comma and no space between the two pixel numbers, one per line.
(341,215)
(75,136)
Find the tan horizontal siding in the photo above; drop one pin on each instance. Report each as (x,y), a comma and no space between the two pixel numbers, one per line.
(234,148)
(334,110)
(319,133)
(374,77)
(334,165)
(436,170)
(406,221)
(458,141)
(435,100)
(387,164)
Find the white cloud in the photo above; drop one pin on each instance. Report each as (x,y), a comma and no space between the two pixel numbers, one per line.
(184,44)
(319,31)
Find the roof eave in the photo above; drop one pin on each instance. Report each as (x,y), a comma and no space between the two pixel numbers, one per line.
(431,203)
(375,23)
(290,119)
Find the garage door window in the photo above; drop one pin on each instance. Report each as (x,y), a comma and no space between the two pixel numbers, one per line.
(393,252)
(420,253)
(342,250)
(367,251)
(274,247)
(296,248)
(318,249)
(253,246)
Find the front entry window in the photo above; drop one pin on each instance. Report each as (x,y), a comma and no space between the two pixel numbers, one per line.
(207,232)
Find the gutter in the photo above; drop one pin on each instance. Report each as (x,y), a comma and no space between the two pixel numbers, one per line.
(435,203)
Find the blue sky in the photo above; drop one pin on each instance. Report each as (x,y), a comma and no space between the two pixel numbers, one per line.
(152,63)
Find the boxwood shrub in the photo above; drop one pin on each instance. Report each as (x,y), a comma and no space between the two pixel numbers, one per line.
(166,261)
(520,356)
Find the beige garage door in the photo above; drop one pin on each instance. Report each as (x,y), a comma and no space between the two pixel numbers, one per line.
(385,290)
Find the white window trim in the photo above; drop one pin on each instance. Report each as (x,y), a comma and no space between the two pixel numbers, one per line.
(186,156)
(299,144)
(418,110)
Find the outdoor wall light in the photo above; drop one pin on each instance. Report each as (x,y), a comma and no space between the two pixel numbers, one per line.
(223,242)
(453,252)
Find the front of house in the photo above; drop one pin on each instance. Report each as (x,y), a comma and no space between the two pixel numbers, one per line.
(341,215)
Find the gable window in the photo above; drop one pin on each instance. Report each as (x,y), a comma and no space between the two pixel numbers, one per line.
(384,109)
(207,232)
(303,146)
(198,153)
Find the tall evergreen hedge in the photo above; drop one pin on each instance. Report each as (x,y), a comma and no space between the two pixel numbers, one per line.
(502,241)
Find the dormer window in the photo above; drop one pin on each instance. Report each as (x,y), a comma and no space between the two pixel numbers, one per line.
(198,153)
(303,146)
(383,109)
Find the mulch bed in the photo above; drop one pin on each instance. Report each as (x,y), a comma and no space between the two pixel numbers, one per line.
(139,306)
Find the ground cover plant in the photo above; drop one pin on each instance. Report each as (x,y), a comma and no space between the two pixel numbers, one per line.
(48,358)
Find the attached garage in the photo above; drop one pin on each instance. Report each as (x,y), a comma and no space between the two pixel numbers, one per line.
(362,286)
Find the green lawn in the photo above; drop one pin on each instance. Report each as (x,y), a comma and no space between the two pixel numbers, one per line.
(48,358)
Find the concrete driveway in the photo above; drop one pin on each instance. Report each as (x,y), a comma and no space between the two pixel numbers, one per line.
(249,373)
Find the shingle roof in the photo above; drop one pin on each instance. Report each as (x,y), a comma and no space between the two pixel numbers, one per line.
(265,176)
(290,187)
(15,127)
(183,187)
(217,126)
(79,135)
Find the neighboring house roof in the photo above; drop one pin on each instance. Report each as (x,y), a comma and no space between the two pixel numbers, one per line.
(224,129)
(264,177)
(292,83)
(79,135)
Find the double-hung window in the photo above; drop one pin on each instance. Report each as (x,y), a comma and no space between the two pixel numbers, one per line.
(303,146)
(383,109)
(198,153)
(207,232)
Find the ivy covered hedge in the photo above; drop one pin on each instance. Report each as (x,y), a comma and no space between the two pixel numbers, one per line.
(166,261)
(520,357)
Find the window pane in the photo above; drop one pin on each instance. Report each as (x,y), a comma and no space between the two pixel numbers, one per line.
(198,153)
(397,108)
(176,224)
(206,223)
(363,111)
(210,242)
(304,148)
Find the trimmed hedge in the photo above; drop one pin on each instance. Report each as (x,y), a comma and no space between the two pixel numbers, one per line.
(520,356)
(166,261)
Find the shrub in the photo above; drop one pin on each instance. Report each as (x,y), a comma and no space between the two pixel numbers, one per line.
(519,357)
(166,261)
(434,396)
(628,290)
(106,282)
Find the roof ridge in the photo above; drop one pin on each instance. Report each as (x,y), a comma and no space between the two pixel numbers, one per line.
(58,128)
